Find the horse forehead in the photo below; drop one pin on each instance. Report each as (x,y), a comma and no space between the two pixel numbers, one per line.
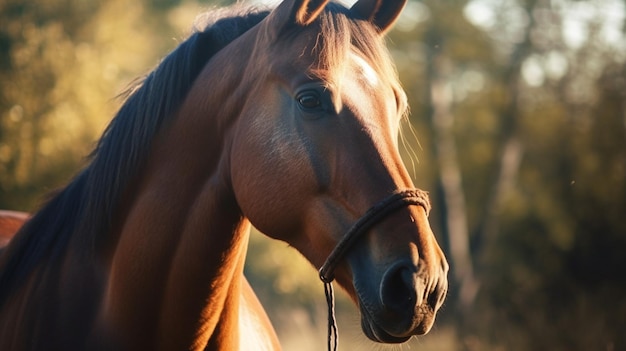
(366,72)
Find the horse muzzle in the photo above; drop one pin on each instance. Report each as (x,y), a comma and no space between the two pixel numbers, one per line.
(407,301)
(399,284)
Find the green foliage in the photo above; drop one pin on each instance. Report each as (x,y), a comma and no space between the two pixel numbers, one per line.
(59,75)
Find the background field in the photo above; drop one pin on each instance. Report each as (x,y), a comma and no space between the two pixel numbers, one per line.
(519,107)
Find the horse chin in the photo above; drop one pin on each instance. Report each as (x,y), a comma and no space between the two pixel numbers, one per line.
(377,334)
(376,331)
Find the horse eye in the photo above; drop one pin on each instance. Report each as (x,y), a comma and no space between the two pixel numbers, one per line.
(310,100)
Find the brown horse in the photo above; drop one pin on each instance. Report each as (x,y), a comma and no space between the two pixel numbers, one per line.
(286,120)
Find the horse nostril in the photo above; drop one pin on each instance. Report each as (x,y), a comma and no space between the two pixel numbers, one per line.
(398,288)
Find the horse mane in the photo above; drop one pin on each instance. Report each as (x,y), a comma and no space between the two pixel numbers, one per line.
(86,206)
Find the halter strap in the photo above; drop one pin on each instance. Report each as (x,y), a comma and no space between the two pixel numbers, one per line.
(374,215)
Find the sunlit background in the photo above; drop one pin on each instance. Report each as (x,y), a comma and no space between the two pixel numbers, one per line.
(518,132)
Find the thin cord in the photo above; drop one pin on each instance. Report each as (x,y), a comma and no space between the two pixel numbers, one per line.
(333,335)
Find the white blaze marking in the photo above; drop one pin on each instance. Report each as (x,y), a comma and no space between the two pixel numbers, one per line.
(366,70)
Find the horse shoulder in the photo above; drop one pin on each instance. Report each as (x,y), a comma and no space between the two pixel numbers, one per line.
(256,331)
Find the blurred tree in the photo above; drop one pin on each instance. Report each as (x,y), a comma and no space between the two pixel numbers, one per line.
(518,115)
(523,98)
(58,73)
(33,45)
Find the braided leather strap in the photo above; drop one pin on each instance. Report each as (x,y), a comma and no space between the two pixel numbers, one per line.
(374,215)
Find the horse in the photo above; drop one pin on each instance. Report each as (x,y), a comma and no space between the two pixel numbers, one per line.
(286,119)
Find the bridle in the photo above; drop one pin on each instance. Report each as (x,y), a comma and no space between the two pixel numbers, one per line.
(374,215)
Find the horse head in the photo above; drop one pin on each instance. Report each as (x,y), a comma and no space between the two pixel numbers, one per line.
(319,148)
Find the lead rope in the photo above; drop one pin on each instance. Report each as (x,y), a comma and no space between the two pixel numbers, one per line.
(333,336)
(374,215)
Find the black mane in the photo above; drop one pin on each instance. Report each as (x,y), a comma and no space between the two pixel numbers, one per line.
(86,206)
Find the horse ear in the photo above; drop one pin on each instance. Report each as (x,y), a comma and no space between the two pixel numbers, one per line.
(382,13)
(306,11)
(298,12)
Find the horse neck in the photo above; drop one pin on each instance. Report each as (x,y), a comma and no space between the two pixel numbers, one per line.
(176,271)
(177,267)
